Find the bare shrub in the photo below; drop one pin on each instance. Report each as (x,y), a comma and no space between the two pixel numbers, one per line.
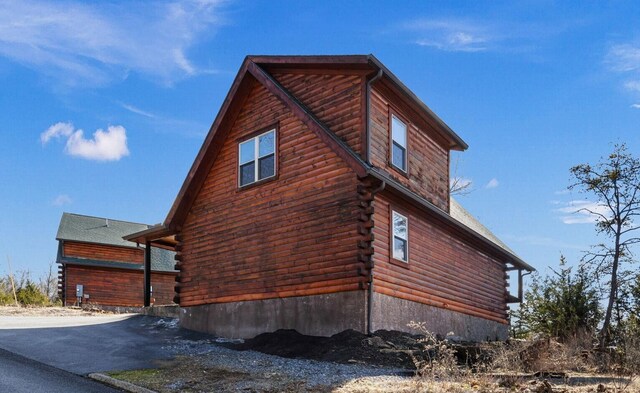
(437,359)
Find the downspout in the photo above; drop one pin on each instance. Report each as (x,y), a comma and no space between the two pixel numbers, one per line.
(521,284)
(367,153)
(370,291)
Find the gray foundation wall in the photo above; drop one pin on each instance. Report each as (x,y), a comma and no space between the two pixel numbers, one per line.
(391,313)
(319,315)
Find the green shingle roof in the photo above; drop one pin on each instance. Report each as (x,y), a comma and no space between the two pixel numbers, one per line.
(98,230)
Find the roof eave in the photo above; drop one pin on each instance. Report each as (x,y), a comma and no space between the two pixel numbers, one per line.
(190,187)
(457,142)
(154,233)
(508,257)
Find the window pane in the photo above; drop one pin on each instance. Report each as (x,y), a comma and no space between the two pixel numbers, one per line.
(266,144)
(399,226)
(399,131)
(400,249)
(247,151)
(398,157)
(247,173)
(266,167)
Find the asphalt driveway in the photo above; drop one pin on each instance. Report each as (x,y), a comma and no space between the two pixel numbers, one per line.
(86,344)
(21,375)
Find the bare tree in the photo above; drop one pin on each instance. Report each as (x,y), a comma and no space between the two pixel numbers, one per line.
(49,283)
(615,182)
(459,185)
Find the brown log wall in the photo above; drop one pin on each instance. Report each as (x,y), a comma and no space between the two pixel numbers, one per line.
(116,287)
(103,252)
(292,236)
(443,271)
(428,158)
(336,100)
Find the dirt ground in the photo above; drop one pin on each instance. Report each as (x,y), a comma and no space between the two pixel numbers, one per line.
(383,349)
(198,373)
(191,375)
(392,350)
(48,311)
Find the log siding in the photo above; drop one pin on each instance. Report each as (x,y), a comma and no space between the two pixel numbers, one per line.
(103,252)
(428,158)
(323,224)
(291,237)
(115,287)
(442,271)
(336,100)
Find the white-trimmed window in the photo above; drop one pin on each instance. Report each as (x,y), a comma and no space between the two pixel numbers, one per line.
(399,143)
(257,158)
(400,241)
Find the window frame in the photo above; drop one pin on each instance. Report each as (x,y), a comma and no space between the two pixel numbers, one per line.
(398,261)
(393,113)
(256,159)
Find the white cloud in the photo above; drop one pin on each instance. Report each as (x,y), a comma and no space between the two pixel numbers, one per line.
(137,110)
(624,58)
(562,192)
(632,85)
(61,200)
(449,35)
(543,241)
(94,43)
(110,145)
(55,131)
(580,212)
(493,183)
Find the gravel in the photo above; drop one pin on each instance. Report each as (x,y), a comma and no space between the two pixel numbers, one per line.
(314,373)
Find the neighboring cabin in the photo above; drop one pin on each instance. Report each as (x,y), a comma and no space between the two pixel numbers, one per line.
(319,202)
(92,253)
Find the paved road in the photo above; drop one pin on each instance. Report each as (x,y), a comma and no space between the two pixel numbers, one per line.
(87,344)
(21,375)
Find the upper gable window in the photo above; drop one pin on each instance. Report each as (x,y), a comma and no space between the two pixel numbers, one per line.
(400,242)
(399,143)
(257,158)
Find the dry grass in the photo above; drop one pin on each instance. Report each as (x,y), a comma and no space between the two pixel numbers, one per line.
(483,385)
(190,374)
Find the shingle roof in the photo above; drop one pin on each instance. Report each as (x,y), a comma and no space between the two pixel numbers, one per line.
(98,230)
(463,216)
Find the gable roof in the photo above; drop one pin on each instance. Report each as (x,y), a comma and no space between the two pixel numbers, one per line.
(253,71)
(88,229)
(99,230)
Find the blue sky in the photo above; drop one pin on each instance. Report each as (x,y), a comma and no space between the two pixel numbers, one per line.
(104,105)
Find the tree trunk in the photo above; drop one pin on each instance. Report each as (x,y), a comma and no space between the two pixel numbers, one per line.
(605,333)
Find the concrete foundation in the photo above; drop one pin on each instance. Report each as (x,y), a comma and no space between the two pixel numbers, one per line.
(164,311)
(319,315)
(390,313)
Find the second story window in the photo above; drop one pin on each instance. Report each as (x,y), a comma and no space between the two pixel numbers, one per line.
(400,242)
(257,158)
(399,143)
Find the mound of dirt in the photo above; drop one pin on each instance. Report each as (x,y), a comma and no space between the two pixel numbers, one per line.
(384,348)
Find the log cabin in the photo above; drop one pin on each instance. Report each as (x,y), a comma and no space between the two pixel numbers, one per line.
(319,201)
(98,267)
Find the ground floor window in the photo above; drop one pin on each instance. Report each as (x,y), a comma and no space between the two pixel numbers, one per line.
(400,231)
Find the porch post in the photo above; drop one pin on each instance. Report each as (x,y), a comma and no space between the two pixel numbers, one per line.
(147,274)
